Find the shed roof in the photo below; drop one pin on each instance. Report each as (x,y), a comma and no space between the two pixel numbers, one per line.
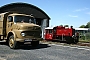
(24,8)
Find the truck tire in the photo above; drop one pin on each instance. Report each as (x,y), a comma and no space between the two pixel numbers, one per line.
(35,43)
(12,43)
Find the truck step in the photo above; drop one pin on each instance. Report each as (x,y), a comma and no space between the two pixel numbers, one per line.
(1,37)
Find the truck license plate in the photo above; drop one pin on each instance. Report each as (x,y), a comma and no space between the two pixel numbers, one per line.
(28,40)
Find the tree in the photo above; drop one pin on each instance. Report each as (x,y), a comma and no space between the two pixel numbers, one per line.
(60,25)
(85,26)
(82,26)
(66,25)
(88,25)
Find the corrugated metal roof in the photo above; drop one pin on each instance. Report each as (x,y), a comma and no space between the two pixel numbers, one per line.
(24,8)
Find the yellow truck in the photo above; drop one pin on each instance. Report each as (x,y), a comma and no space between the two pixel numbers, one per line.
(17,28)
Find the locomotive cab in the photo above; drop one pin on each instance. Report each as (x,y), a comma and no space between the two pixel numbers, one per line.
(49,34)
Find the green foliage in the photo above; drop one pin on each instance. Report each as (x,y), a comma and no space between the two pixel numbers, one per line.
(86,36)
(82,26)
(66,25)
(84,41)
(85,26)
(82,37)
(88,25)
(60,25)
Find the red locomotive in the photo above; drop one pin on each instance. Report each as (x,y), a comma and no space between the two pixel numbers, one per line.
(62,33)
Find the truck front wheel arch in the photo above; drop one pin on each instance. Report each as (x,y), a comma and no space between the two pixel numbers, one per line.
(10,34)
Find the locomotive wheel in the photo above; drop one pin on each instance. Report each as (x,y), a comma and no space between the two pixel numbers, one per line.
(12,42)
(75,41)
(68,40)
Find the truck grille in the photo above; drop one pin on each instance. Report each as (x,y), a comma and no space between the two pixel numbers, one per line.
(32,33)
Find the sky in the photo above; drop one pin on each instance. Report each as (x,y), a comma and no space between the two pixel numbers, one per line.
(61,12)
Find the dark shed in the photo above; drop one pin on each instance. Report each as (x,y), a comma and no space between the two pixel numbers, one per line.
(42,18)
(25,8)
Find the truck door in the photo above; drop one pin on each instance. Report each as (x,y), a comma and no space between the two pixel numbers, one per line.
(9,23)
(1,25)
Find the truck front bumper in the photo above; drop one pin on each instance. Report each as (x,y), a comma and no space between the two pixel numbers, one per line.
(28,39)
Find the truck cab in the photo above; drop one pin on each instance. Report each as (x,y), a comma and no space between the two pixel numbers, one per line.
(19,28)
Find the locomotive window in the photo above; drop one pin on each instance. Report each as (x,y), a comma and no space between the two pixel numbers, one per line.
(46,31)
(54,30)
(50,31)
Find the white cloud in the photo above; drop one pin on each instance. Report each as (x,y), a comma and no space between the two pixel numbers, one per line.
(77,10)
(73,16)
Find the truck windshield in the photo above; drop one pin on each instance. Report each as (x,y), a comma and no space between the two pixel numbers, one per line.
(24,19)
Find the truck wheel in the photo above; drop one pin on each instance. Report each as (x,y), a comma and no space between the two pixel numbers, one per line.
(35,43)
(12,42)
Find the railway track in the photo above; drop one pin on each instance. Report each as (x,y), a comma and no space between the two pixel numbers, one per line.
(64,43)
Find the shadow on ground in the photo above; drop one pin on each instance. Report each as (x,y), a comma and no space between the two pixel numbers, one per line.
(59,41)
(29,47)
(3,43)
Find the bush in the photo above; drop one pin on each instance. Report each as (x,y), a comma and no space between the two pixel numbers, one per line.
(86,36)
(82,37)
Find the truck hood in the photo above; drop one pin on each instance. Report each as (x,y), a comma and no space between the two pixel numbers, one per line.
(27,26)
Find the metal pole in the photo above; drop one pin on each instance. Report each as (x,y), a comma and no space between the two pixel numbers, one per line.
(62,37)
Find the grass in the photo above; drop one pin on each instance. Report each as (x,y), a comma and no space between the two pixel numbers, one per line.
(84,41)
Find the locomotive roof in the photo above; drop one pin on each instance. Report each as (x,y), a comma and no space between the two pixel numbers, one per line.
(49,28)
(53,27)
(74,28)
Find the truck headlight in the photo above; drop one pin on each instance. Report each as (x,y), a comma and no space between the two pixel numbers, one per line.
(22,34)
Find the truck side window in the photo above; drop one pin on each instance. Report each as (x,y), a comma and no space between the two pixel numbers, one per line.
(10,18)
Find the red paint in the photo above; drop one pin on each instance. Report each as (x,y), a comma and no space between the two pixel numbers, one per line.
(59,32)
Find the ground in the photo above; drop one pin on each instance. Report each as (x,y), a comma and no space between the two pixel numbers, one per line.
(45,51)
